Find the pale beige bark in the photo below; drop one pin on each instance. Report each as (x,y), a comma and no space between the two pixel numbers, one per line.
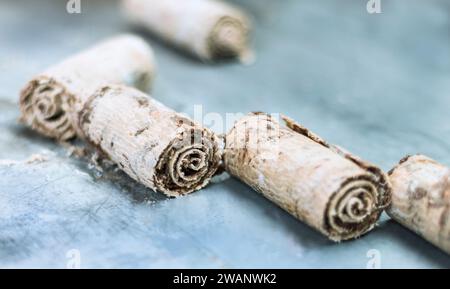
(50,102)
(154,145)
(208,29)
(421,198)
(329,189)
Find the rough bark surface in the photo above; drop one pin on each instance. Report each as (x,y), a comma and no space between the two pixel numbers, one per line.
(208,29)
(421,198)
(153,144)
(51,101)
(329,189)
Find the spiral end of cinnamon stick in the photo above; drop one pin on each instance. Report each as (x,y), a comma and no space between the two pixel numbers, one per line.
(229,39)
(188,163)
(355,208)
(43,104)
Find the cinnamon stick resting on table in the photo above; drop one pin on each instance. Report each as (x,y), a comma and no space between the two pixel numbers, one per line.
(421,198)
(331,190)
(51,101)
(153,144)
(208,29)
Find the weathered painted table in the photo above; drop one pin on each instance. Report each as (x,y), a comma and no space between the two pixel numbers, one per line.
(377,84)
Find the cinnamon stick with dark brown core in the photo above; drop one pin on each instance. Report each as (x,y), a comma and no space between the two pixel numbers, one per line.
(421,198)
(329,189)
(153,144)
(50,102)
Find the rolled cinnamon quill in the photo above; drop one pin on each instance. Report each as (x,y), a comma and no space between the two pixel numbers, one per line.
(50,102)
(331,190)
(209,29)
(153,144)
(421,198)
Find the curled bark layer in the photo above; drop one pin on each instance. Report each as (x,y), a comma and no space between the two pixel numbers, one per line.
(209,29)
(329,189)
(154,145)
(51,101)
(421,198)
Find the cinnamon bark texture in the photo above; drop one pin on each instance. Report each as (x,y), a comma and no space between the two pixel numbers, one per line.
(331,190)
(153,144)
(209,29)
(50,102)
(421,198)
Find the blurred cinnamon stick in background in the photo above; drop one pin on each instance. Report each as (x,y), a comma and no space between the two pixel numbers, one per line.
(208,29)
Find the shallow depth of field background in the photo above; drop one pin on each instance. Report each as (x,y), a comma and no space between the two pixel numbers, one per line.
(376,84)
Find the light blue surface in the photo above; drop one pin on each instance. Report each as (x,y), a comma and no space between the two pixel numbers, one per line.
(378,85)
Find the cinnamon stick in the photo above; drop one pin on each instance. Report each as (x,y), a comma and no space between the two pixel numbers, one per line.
(421,198)
(329,189)
(51,101)
(208,29)
(153,144)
